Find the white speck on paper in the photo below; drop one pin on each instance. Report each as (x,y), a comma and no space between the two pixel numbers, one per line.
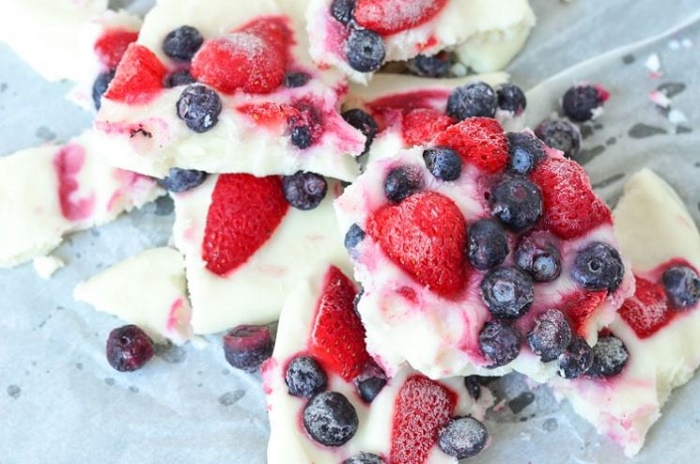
(659,99)
(677,117)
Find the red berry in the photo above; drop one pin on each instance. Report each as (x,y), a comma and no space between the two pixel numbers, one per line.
(112,44)
(275,30)
(580,308)
(647,310)
(390,16)
(422,124)
(138,78)
(479,141)
(128,348)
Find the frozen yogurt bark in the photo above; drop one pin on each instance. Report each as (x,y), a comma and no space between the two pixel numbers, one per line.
(652,346)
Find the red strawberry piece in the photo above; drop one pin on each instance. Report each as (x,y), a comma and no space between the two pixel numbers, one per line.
(422,408)
(269,114)
(387,17)
(338,337)
(580,308)
(112,44)
(479,141)
(274,29)
(244,213)
(647,310)
(571,208)
(138,78)
(422,124)
(426,235)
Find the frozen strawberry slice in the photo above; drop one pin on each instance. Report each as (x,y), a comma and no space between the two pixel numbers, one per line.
(421,124)
(274,29)
(647,311)
(139,77)
(391,16)
(580,308)
(479,141)
(111,46)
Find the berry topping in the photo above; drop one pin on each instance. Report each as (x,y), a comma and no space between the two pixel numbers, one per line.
(330,419)
(112,45)
(431,252)
(576,359)
(305,377)
(364,50)
(473,385)
(537,256)
(180,180)
(420,125)
(609,357)
(499,343)
(560,135)
(296,79)
(682,286)
(431,66)
(402,182)
(517,203)
(507,291)
(199,106)
(463,437)
(364,458)
(182,43)
(247,346)
(100,87)
(550,336)
(181,77)
(391,16)
(488,244)
(305,124)
(511,98)
(580,308)
(244,213)
(370,388)
(301,136)
(477,99)
(304,190)
(479,141)
(598,267)
(138,78)
(583,102)
(342,10)
(525,151)
(647,310)
(443,163)
(128,348)
(354,236)
(363,122)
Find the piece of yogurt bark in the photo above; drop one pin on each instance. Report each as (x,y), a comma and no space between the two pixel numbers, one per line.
(358,37)
(657,327)
(72,188)
(148,289)
(226,87)
(320,359)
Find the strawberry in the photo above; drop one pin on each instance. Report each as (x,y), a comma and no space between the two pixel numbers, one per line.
(647,310)
(479,141)
(244,213)
(421,124)
(112,44)
(387,17)
(338,337)
(269,114)
(274,29)
(580,307)
(138,78)
(423,407)
(426,235)
(570,207)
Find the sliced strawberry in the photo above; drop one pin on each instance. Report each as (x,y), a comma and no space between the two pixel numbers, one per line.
(571,208)
(112,44)
(387,17)
(244,213)
(422,408)
(422,124)
(139,77)
(426,235)
(338,337)
(647,310)
(269,114)
(274,29)
(580,308)
(479,141)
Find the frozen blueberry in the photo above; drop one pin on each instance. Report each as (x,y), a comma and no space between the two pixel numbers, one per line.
(100,87)
(473,385)
(517,203)
(128,348)
(402,182)
(342,10)
(560,135)
(301,136)
(364,50)
(507,291)
(511,98)
(487,245)
(363,122)
(598,267)
(247,346)
(538,257)
(180,180)
(682,286)
(370,388)
(296,79)
(364,458)
(305,377)
(304,190)
(431,66)
(550,336)
(443,163)
(475,99)
(353,237)
(576,359)
(499,342)
(330,419)
(462,437)
(182,43)
(609,357)
(181,77)
(525,151)
(199,106)
(580,102)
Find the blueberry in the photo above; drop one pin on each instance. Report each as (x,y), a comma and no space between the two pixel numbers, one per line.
(128,348)
(100,87)
(473,385)
(511,98)
(304,190)
(550,336)
(364,50)
(370,388)
(538,257)
(330,419)
(598,267)
(431,66)
(402,182)
(363,122)
(181,77)
(507,292)
(488,244)
(199,106)
(576,359)
(305,377)
(182,43)
(499,343)
(180,180)
(475,99)
(342,10)
(247,346)
(462,437)
(301,136)
(353,236)
(364,458)
(443,163)
(525,151)
(517,203)
(560,135)
(356,301)
(580,102)
(296,79)
(682,286)
(609,357)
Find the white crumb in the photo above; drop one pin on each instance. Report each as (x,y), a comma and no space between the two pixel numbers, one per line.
(659,99)
(46,266)
(653,63)
(677,117)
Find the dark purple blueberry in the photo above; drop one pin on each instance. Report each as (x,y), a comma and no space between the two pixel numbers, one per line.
(364,458)
(517,203)
(182,43)
(181,77)
(100,87)
(296,79)
(431,66)
(199,106)
(580,102)
(330,419)
(370,388)
(443,163)
(364,50)
(609,357)
(363,122)
(598,267)
(128,348)
(342,10)
(402,182)
(511,98)
(508,292)
(353,236)
(463,437)
(305,377)
(538,257)
(525,151)
(560,135)
(682,286)
(473,385)
(475,99)
(247,346)
(499,343)
(304,190)
(576,359)
(180,180)
(487,245)
(301,136)
(550,336)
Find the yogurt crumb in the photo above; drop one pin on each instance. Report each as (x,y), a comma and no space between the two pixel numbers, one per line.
(46,266)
